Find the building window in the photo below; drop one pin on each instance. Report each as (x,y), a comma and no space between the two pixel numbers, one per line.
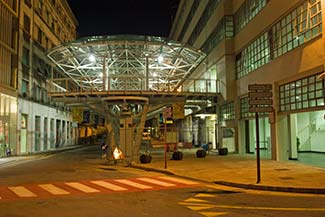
(208,11)
(302,94)
(39,36)
(25,57)
(28,3)
(253,56)
(188,20)
(27,23)
(24,88)
(248,10)
(37,143)
(227,112)
(224,29)
(299,26)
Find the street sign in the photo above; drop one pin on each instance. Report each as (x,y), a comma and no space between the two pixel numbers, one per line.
(254,87)
(259,94)
(260,109)
(167,112)
(260,101)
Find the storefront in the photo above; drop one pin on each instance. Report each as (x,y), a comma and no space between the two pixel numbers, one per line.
(8,114)
(301,115)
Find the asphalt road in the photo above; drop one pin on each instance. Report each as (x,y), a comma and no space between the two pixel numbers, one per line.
(80,183)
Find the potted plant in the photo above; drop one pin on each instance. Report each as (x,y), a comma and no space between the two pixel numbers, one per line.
(201,153)
(177,155)
(145,158)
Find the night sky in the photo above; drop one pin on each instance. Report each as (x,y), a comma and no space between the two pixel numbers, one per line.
(112,17)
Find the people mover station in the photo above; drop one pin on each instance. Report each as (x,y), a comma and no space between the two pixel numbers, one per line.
(131,85)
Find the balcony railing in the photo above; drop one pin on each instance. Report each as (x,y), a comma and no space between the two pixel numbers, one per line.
(133,83)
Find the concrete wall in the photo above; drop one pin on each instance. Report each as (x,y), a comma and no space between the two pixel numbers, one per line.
(34,109)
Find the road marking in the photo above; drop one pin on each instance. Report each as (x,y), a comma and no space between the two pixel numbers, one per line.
(254,207)
(195,200)
(204,195)
(133,184)
(53,189)
(183,181)
(271,208)
(156,182)
(201,207)
(109,186)
(21,191)
(212,214)
(81,187)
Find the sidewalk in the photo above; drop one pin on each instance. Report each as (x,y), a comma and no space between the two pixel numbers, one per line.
(240,171)
(8,161)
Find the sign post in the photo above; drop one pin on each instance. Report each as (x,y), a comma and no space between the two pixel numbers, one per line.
(260,100)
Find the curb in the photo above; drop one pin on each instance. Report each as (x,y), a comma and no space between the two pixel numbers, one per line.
(152,169)
(273,188)
(239,185)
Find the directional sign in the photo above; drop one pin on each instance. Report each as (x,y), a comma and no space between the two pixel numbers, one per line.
(252,87)
(260,109)
(260,101)
(259,94)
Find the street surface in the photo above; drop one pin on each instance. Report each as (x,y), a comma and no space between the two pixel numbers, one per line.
(80,183)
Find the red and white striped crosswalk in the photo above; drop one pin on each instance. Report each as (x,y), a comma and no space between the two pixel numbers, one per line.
(92,187)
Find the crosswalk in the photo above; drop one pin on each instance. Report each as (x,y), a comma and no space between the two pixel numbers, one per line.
(92,187)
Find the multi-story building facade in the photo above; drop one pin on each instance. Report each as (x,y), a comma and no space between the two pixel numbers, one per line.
(261,41)
(8,75)
(42,124)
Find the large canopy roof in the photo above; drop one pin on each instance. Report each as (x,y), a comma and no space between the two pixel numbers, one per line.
(126,62)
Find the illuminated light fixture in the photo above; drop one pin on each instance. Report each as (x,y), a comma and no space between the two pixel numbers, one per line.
(100,75)
(91,58)
(160,58)
(203,116)
(154,74)
(117,154)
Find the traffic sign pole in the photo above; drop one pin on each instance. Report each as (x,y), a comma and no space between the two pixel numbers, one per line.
(258,160)
(260,100)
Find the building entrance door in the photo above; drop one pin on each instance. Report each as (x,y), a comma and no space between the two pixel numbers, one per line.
(23,134)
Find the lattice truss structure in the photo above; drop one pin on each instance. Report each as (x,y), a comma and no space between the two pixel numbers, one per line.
(114,63)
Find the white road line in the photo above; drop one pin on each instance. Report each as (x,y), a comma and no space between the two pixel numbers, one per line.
(133,184)
(156,182)
(182,181)
(81,187)
(53,189)
(109,186)
(21,191)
